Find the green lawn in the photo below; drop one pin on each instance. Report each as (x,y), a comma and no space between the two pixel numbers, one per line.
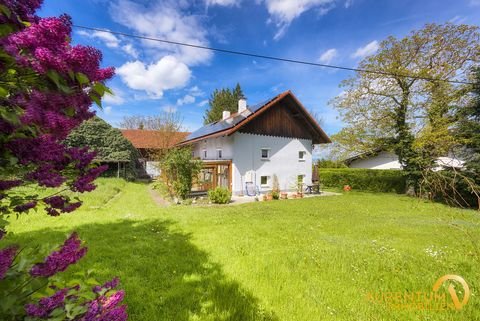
(306,259)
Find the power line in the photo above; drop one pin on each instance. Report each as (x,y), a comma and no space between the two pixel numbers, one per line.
(250,54)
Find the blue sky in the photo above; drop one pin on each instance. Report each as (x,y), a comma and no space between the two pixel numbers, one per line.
(153,77)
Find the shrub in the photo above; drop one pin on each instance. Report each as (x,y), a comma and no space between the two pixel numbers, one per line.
(373,180)
(219,195)
(275,194)
(178,170)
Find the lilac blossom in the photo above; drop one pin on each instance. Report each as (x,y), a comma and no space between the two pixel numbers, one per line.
(58,261)
(6,257)
(46,305)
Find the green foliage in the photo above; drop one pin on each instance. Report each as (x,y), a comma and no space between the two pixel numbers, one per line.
(328,163)
(108,142)
(468,129)
(219,195)
(224,99)
(178,170)
(383,111)
(373,180)
(275,194)
(452,187)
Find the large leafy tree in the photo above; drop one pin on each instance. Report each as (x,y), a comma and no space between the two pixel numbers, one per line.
(108,143)
(407,104)
(224,99)
(46,89)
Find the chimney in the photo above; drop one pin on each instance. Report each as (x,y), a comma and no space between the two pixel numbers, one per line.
(242,104)
(225,114)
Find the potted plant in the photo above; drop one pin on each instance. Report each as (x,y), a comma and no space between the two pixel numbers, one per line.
(275,195)
(283,195)
(265,197)
(269,196)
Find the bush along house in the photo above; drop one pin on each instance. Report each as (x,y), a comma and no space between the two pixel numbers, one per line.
(247,149)
(150,144)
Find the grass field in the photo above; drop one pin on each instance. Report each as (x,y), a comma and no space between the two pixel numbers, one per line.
(306,259)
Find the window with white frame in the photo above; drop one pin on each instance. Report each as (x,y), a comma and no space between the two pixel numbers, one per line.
(301,155)
(219,153)
(265,181)
(265,153)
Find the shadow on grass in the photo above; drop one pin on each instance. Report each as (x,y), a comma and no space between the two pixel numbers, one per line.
(165,276)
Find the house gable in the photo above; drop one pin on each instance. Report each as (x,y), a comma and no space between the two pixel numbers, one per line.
(283,120)
(290,120)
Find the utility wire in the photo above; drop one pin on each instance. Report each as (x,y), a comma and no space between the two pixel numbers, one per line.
(250,54)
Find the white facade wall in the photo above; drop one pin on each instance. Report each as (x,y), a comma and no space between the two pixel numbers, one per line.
(248,166)
(212,145)
(283,161)
(384,160)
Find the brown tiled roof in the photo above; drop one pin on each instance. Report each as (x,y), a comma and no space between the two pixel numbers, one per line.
(142,138)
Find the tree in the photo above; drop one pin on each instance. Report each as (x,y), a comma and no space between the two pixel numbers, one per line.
(108,143)
(221,100)
(46,88)
(406,104)
(178,171)
(167,125)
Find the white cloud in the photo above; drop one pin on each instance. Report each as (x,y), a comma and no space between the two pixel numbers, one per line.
(116,99)
(129,49)
(107,110)
(203,103)
(225,3)
(328,56)
(165,20)
(348,3)
(367,50)
(166,73)
(188,99)
(458,19)
(283,12)
(110,40)
(475,2)
(195,91)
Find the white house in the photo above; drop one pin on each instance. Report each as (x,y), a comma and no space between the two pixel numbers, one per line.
(275,137)
(389,160)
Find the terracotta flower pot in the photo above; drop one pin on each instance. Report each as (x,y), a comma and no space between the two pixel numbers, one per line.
(283,196)
(269,197)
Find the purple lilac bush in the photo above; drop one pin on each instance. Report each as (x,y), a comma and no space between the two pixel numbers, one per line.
(47,87)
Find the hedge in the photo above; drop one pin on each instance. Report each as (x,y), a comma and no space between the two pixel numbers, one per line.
(373,180)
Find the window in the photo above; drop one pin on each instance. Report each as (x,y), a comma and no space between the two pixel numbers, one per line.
(219,153)
(301,156)
(204,153)
(264,180)
(265,153)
